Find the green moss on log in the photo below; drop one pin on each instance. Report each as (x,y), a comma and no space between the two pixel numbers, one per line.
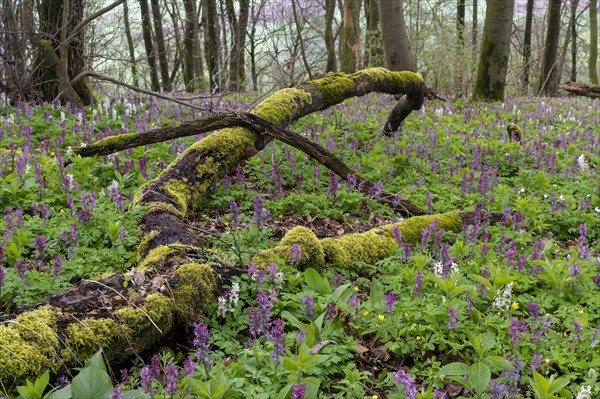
(195,291)
(113,141)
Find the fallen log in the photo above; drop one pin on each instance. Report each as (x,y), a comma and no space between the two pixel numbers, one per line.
(173,286)
(581,89)
(179,278)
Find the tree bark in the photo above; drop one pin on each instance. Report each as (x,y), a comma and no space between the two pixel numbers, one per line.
(149,45)
(160,47)
(350,54)
(300,39)
(239,24)
(460,22)
(373,41)
(475,18)
(493,57)
(192,73)
(211,43)
(134,72)
(573,23)
(548,78)
(329,37)
(396,46)
(527,45)
(592,63)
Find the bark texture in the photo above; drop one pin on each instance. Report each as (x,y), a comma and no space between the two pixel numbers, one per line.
(396,46)
(580,89)
(350,53)
(593,61)
(549,77)
(493,58)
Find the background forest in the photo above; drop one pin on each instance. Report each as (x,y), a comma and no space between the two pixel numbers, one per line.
(426,224)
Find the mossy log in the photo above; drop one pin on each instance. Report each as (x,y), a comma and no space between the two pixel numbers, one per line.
(177,284)
(581,89)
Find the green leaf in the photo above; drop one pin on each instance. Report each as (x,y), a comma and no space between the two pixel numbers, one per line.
(498,363)
(96,361)
(63,393)
(341,293)
(91,383)
(42,382)
(312,387)
(377,296)
(454,369)
(559,384)
(136,394)
(479,377)
(28,392)
(313,279)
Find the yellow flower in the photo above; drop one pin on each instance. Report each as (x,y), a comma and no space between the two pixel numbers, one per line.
(581,312)
(547,361)
(356,289)
(52,154)
(374,397)
(381,317)
(366,313)
(62,211)
(499,313)
(547,314)
(418,338)
(515,306)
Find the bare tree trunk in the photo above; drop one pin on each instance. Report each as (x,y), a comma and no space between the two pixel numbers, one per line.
(14,60)
(350,54)
(548,78)
(329,37)
(592,64)
(134,72)
(255,12)
(493,58)
(373,45)
(574,4)
(211,43)
(527,45)
(189,71)
(475,18)
(149,45)
(460,22)
(239,24)
(396,46)
(300,39)
(160,46)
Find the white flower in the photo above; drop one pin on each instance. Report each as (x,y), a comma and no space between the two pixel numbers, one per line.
(503,299)
(582,163)
(114,186)
(228,302)
(585,393)
(438,269)
(62,116)
(69,150)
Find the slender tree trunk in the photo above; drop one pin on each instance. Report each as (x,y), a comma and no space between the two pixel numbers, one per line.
(174,13)
(493,58)
(527,45)
(396,46)
(373,45)
(149,45)
(14,48)
(329,36)
(211,43)
(592,64)
(160,46)
(460,22)
(475,18)
(189,73)
(574,4)
(548,78)
(300,39)
(238,24)
(134,72)
(350,54)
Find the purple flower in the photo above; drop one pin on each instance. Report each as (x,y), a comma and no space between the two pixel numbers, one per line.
(338,279)
(353,301)
(452,318)
(534,311)
(57,266)
(171,373)
(277,336)
(390,301)
(260,213)
(577,328)
(201,337)
(410,387)
(309,306)
(125,377)
(295,254)
(334,185)
(115,393)
(298,391)
(62,381)
(188,366)
(537,360)
(438,394)
(146,379)
(419,276)
(595,338)
(234,212)
(515,330)
(301,335)
(397,233)
(331,311)
(497,390)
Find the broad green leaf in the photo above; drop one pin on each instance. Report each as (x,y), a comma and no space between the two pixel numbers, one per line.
(65,393)
(313,279)
(96,361)
(341,293)
(481,280)
(136,394)
(454,369)
(559,384)
(284,391)
(42,382)
(377,296)
(312,387)
(479,377)
(498,363)
(91,383)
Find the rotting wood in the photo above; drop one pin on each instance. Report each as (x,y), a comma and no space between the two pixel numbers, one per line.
(581,89)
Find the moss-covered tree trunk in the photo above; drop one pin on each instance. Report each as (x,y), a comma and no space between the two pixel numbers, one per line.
(174,279)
